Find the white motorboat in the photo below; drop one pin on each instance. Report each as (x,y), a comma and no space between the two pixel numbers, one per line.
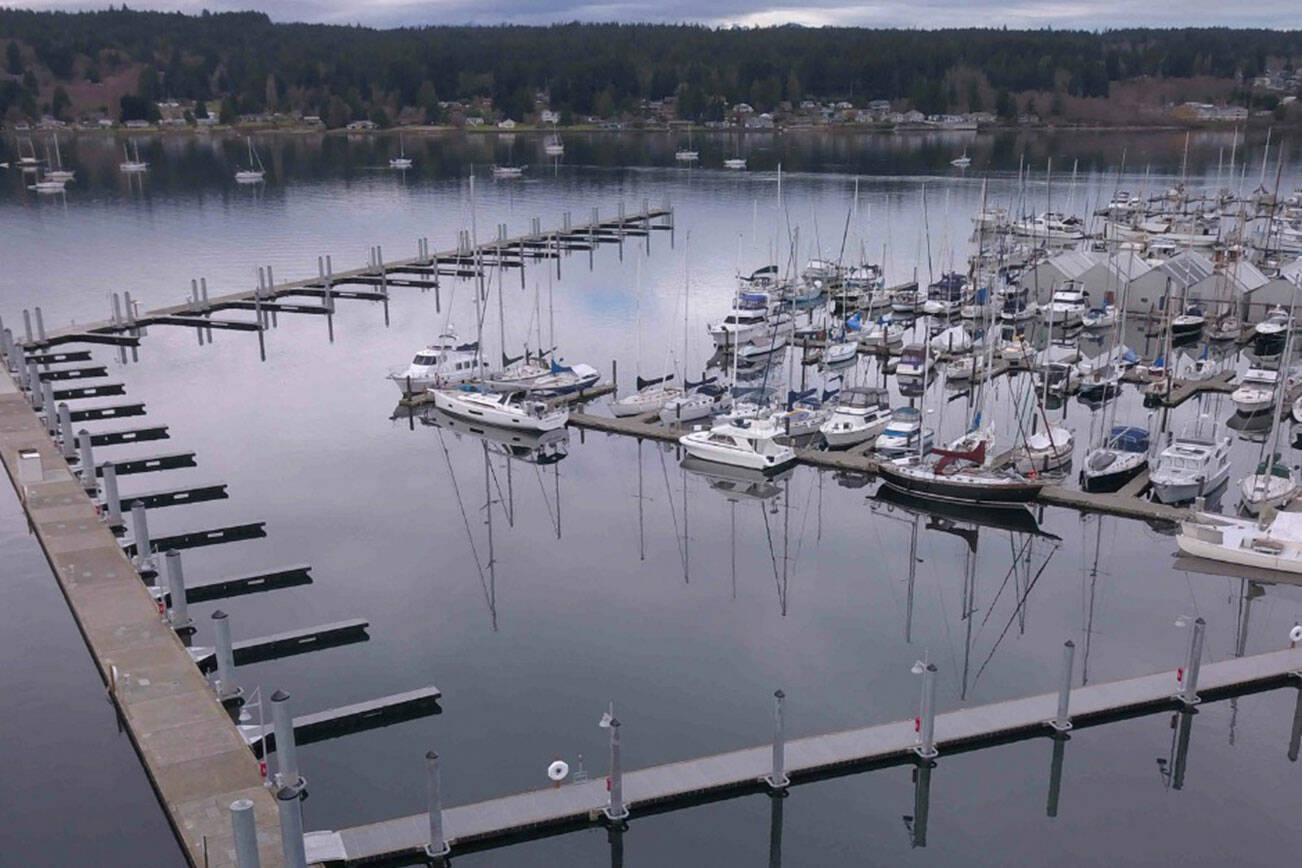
(650,397)
(687,155)
(508,171)
(1273,542)
(1067,306)
(505,409)
(961,162)
(1050,449)
(254,173)
(1191,466)
(735,163)
(1120,459)
(752,314)
(1273,484)
(859,414)
(1050,226)
(446,362)
(803,415)
(816,270)
(699,401)
(1256,391)
(904,434)
(1059,378)
(564,380)
(744,443)
(915,363)
(964,367)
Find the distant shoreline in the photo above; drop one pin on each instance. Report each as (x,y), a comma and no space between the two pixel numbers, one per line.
(826,129)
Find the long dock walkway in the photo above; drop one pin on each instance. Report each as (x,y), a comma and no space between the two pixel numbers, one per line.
(807,759)
(466,260)
(1125,503)
(190,748)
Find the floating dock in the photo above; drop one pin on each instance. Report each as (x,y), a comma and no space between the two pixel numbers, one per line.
(125,326)
(1125,503)
(808,759)
(191,751)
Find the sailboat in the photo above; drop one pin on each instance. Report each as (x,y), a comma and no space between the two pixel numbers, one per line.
(402,161)
(504,409)
(687,154)
(130,165)
(554,147)
(59,173)
(253,174)
(961,162)
(653,393)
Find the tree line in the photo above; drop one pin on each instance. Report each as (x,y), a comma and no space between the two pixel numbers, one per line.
(252,65)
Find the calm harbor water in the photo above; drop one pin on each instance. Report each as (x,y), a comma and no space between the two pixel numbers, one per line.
(614,574)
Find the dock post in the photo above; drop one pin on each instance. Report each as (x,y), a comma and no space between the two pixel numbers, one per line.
(177,614)
(227,687)
(927,719)
(117,309)
(140,533)
(246,834)
(777,779)
(1189,696)
(87,460)
(33,383)
(8,338)
(272,318)
(615,810)
(111,501)
(40,325)
(1181,760)
(27,327)
(438,846)
(68,441)
(1062,722)
(286,748)
(291,828)
(1055,774)
(47,407)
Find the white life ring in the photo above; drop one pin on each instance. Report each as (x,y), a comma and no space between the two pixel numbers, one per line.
(558,770)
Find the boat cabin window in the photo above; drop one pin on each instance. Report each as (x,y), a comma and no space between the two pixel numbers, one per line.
(425,359)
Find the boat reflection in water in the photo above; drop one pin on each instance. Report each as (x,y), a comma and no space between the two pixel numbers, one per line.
(737,483)
(543,448)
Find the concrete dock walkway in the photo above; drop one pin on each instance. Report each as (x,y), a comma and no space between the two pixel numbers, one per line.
(190,748)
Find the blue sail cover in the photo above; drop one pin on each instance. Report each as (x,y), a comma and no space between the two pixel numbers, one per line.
(1129,438)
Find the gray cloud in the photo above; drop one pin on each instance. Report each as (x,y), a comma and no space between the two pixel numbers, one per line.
(1085,14)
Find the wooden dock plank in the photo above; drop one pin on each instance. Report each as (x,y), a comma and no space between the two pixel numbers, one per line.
(806,758)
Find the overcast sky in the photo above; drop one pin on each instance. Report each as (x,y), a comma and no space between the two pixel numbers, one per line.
(1083,14)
